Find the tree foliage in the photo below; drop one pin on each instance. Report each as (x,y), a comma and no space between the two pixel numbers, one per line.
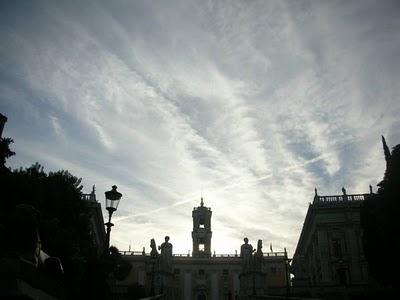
(5,151)
(63,226)
(57,196)
(379,218)
(63,218)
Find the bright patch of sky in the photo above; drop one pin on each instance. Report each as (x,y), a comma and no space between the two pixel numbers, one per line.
(253,102)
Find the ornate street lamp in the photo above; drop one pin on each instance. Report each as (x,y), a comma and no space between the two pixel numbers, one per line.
(287,273)
(112,200)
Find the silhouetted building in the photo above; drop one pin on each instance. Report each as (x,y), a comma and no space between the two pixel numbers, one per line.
(97,230)
(329,259)
(203,275)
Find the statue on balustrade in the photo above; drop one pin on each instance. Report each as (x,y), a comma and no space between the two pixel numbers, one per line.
(344,191)
(258,257)
(166,255)
(246,253)
(153,253)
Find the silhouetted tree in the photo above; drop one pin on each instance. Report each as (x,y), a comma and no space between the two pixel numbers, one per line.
(5,151)
(64,216)
(64,227)
(64,224)
(61,218)
(380,221)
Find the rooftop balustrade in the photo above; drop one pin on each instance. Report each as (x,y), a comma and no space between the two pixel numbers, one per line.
(339,198)
(89,197)
(141,253)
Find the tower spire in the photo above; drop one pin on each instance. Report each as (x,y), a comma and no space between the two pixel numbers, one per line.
(385,149)
(201,197)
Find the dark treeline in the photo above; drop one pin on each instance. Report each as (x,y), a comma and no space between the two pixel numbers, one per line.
(381,224)
(45,234)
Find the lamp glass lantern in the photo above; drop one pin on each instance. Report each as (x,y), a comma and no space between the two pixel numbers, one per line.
(112,199)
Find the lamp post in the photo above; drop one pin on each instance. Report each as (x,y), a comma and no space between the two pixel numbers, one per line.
(112,200)
(287,273)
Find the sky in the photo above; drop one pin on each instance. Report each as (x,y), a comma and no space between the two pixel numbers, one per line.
(251,104)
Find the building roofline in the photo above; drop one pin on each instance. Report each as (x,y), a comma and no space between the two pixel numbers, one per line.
(323,203)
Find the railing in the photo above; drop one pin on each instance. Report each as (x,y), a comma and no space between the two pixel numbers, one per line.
(85,197)
(339,198)
(225,255)
(275,253)
(141,253)
(268,254)
(88,197)
(134,253)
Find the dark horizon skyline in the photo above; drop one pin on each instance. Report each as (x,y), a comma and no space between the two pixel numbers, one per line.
(252,104)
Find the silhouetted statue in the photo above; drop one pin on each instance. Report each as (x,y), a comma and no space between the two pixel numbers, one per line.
(258,257)
(24,227)
(344,191)
(25,240)
(246,252)
(154,253)
(166,255)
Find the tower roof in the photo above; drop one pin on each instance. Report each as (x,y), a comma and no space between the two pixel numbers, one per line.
(202,208)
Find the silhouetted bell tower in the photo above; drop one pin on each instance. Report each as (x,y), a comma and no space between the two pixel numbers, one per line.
(201,233)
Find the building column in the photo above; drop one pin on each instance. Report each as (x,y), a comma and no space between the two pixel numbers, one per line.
(187,285)
(214,285)
(324,256)
(354,257)
(142,277)
(236,284)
